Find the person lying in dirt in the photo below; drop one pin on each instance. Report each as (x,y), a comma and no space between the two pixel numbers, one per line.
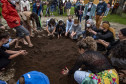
(106,33)
(51,27)
(33,77)
(69,23)
(27,23)
(7,55)
(60,29)
(13,20)
(75,30)
(96,66)
(110,46)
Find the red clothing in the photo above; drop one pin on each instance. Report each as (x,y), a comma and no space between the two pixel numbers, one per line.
(10,14)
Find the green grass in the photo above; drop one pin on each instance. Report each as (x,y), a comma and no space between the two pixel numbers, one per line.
(116,18)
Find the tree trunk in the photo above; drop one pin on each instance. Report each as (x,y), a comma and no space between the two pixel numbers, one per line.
(110,1)
(120,8)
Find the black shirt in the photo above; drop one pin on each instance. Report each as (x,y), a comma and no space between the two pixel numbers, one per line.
(93,61)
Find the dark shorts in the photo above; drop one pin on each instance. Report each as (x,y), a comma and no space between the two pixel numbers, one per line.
(21,31)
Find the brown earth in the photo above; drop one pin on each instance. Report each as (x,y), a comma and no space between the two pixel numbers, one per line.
(49,56)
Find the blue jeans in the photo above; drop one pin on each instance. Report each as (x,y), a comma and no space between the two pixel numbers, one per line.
(80,17)
(52,8)
(79,76)
(107,11)
(21,31)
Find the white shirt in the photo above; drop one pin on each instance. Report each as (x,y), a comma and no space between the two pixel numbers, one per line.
(25,4)
(89,6)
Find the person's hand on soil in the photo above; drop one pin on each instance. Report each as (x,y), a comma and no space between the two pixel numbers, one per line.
(17,22)
(65,71)
(23,52)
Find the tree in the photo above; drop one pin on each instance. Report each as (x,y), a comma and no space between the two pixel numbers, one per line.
(120,8)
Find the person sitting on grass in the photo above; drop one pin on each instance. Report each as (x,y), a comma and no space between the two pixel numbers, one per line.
(75,30)
(7,55)
(51,27)
(13,20)
(33,77)
(101,70)
(60,28)
(69,23)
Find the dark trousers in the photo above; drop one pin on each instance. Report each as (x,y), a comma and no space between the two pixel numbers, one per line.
(86,18)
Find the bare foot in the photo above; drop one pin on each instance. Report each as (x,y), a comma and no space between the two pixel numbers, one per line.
(25,43)
(18,47)
(30,45)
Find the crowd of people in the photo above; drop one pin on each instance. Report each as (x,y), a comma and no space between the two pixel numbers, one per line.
(100,52)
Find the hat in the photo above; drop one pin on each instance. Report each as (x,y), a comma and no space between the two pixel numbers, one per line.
(123,31)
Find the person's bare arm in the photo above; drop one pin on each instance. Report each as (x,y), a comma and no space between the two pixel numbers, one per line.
(54,30)
(106,44)
(12,52)
(47,30)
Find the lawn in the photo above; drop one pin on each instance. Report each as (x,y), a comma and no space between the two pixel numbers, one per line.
(116,18)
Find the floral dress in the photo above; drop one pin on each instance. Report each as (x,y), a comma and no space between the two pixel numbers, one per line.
(105,77)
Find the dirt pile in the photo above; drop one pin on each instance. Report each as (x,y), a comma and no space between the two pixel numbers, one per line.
(50,57)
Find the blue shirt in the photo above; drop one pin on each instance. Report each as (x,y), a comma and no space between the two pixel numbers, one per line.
(68,26)
(101,8)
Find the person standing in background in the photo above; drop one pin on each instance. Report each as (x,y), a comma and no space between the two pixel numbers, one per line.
(25,5)
(80,9)
(68,7)
(65,6)
(89,11)
(37,8)
(100,11)
(108,8)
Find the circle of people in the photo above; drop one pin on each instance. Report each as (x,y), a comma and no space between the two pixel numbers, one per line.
(100,68)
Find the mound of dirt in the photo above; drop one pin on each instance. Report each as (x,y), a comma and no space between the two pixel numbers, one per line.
(48,56)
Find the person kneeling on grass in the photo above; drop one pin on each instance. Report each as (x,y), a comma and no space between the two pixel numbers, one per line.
(13,20)
(60,28)
(51,27)
(7,55)
(75,30)
(101,71)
